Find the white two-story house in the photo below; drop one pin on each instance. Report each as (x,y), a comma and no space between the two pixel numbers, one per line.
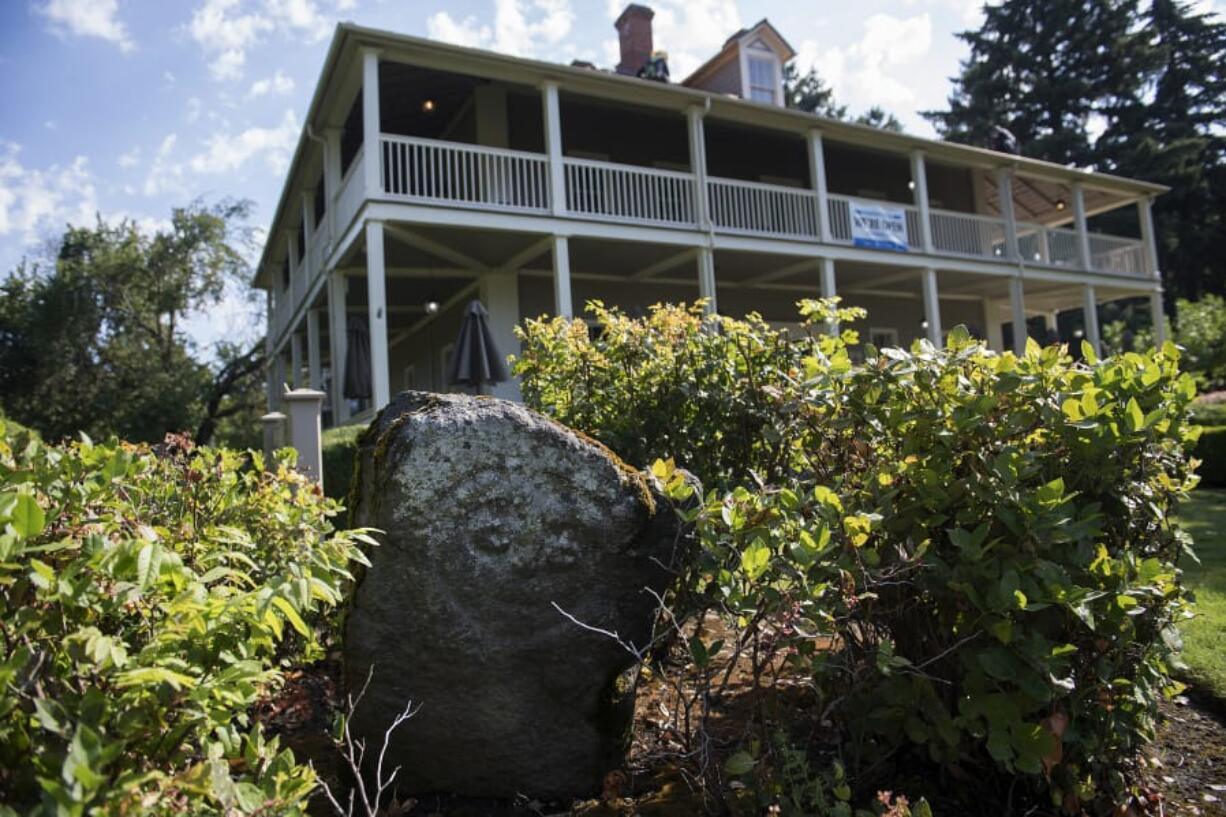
(428,175)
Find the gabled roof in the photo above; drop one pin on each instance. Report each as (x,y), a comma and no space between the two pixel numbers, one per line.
(761,29)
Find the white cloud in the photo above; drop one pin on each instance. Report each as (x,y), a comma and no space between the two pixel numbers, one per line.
(37,202)
(227,29)
(130,159)
(969,12)
(278,84)
(225,35)
(194,107)
(468,32)
(87,18)
(226,152)
(875,70)
(165,175)
(521,27)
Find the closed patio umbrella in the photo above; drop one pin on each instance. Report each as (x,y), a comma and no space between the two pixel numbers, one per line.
(476,359)
(357,359)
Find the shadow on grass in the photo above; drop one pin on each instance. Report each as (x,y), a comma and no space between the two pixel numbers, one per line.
(1204,516)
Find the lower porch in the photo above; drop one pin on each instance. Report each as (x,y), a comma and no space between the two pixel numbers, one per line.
(409,284)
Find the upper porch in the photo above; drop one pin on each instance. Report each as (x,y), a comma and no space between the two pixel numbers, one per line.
(444,137)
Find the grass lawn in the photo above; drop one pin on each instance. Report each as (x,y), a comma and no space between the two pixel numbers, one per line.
(1204,516)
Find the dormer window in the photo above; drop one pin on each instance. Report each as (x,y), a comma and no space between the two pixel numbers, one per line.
(749,66)
(763,84)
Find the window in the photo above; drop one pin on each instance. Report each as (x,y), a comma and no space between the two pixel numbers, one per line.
(762,85)
(881,338)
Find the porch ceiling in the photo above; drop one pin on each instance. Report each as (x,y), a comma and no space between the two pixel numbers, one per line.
(1046,202)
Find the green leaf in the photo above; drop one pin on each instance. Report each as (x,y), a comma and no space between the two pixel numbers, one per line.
(755,559)
(1134,417)
(740,763)
(292,616)
(152,676)
(27,519)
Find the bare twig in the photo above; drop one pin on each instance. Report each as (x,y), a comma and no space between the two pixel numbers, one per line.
(354,751)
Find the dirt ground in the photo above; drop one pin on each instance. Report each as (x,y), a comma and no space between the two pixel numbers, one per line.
(1185,767)
(1187,763)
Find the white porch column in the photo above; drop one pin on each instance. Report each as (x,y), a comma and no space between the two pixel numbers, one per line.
(291,245)
(1158,317)
(295,356)
(338,343)
(308,223)
(332,177)
(932,307)
(1017,306)
(314,369)
(1149,238)
(706,280)
(919,179)
(698,164)
(991,326)
(1083,231)
(499,292)
(372,154)
(817,170)
(1004,192)
(829,290)
(553,147)
(376,292)
(1090,308)
(1051,322)
(563,306)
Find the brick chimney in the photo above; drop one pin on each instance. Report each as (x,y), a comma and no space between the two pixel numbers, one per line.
(634,33)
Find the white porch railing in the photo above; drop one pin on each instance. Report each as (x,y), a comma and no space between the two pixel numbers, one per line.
(840,220)
(1123,256)
(351,195)
(464,175)
(456,174)
(1062,250)
(321,245)
(967,234)
(762,209)
(627,192)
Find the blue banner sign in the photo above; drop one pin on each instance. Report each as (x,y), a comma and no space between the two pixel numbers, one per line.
(878,227)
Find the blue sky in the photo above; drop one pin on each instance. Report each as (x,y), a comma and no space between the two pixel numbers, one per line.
(129,107)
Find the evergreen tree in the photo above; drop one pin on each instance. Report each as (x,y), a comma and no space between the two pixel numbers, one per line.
(1172,133)
(809,92)
(1044,69)
(1151,81)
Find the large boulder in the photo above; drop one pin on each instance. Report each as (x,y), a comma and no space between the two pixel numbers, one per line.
(493,514)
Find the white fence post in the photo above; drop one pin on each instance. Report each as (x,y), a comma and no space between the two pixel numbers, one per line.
(274,432)
(305,407)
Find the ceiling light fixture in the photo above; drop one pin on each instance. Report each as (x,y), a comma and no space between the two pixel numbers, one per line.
(1060,205)
(428,106)
(431,307)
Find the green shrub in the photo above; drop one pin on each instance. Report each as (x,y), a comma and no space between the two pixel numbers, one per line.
(146,603)
(1209,414)
(968,556)
(340,452)
(665,386)
(1211,451)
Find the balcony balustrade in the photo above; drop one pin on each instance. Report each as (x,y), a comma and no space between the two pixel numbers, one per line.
(428,171)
